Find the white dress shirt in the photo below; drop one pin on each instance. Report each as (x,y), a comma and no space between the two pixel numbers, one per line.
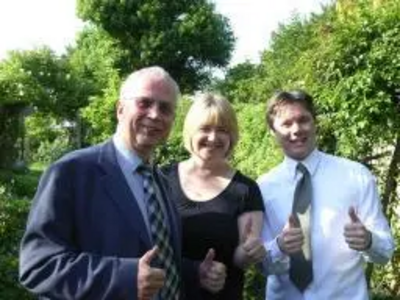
(338,183)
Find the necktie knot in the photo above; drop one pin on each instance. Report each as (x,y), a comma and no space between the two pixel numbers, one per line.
(144,170)
(302,168)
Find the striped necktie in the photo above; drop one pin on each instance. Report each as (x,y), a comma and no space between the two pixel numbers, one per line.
(161,236)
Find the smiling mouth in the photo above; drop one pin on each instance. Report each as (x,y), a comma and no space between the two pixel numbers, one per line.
(151,130)
(212,146)
(299,142)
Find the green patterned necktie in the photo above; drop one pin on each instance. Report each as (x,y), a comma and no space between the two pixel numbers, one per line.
(161,237)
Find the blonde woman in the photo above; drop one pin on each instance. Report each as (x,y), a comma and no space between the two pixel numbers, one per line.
(221,209)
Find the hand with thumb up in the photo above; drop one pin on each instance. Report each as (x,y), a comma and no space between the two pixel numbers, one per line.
(355,234)
(251,249)
(291,239)
(150,280)
(212,273)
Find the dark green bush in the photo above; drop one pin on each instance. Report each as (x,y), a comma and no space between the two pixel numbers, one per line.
(254,285)
(20,184)
(49,151)
(13,213)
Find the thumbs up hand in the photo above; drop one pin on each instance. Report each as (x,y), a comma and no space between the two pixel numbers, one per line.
(251,250)
(150,279)
(291,239)
(355,234)
(212,273)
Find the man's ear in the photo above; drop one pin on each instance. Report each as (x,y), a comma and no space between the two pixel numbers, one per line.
(119,108)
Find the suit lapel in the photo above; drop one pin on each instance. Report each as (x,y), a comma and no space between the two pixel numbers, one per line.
(118,190)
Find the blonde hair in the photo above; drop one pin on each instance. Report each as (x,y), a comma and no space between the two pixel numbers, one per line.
(210,109)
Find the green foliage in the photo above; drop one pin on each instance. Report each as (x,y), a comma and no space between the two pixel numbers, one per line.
(12,217)
(241,84)
(188,38)
(16,190)
(173,150)
(357,75)
(13,213)
(256,151)
(19,184)
(48,152)
(96,58)
(9,132)
(46,138)
(42,80)
(254,285)
(36,80)
(100,114)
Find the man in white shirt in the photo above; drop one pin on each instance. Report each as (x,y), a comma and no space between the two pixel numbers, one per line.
(346,224)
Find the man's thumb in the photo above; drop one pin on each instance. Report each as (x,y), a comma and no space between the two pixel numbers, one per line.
(353,216)
(293,221)
(149,255)
(209,258)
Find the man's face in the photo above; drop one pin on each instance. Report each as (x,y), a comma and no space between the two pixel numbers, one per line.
(145,119)
(295,131)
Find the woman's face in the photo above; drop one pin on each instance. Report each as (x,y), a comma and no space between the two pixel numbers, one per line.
(211,142)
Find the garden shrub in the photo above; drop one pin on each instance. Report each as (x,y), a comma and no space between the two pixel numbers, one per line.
(13,214)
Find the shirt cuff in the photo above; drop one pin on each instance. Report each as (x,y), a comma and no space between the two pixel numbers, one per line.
(274,251)
(275,262)
(380,251)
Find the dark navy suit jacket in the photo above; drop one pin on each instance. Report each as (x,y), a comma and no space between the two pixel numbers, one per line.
(85,232)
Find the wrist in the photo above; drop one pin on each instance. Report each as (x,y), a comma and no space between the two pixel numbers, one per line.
(279,244)
(240,257)
(369,240)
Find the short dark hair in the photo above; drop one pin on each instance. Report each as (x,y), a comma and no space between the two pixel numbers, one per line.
(282,98)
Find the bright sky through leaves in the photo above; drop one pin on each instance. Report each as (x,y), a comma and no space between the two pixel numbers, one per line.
(25,24)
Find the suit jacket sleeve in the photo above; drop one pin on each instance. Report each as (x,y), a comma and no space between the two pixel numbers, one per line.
(51,261)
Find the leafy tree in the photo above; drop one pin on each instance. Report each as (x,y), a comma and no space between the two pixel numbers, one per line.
(43,80)
(100,114)
(40,80)
(188,38)
(46,139)
(96,57)
(240,82)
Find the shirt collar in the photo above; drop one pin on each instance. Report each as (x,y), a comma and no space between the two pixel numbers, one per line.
(310,162)
(128,159)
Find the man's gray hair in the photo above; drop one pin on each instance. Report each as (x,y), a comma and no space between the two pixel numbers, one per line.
(156,72)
